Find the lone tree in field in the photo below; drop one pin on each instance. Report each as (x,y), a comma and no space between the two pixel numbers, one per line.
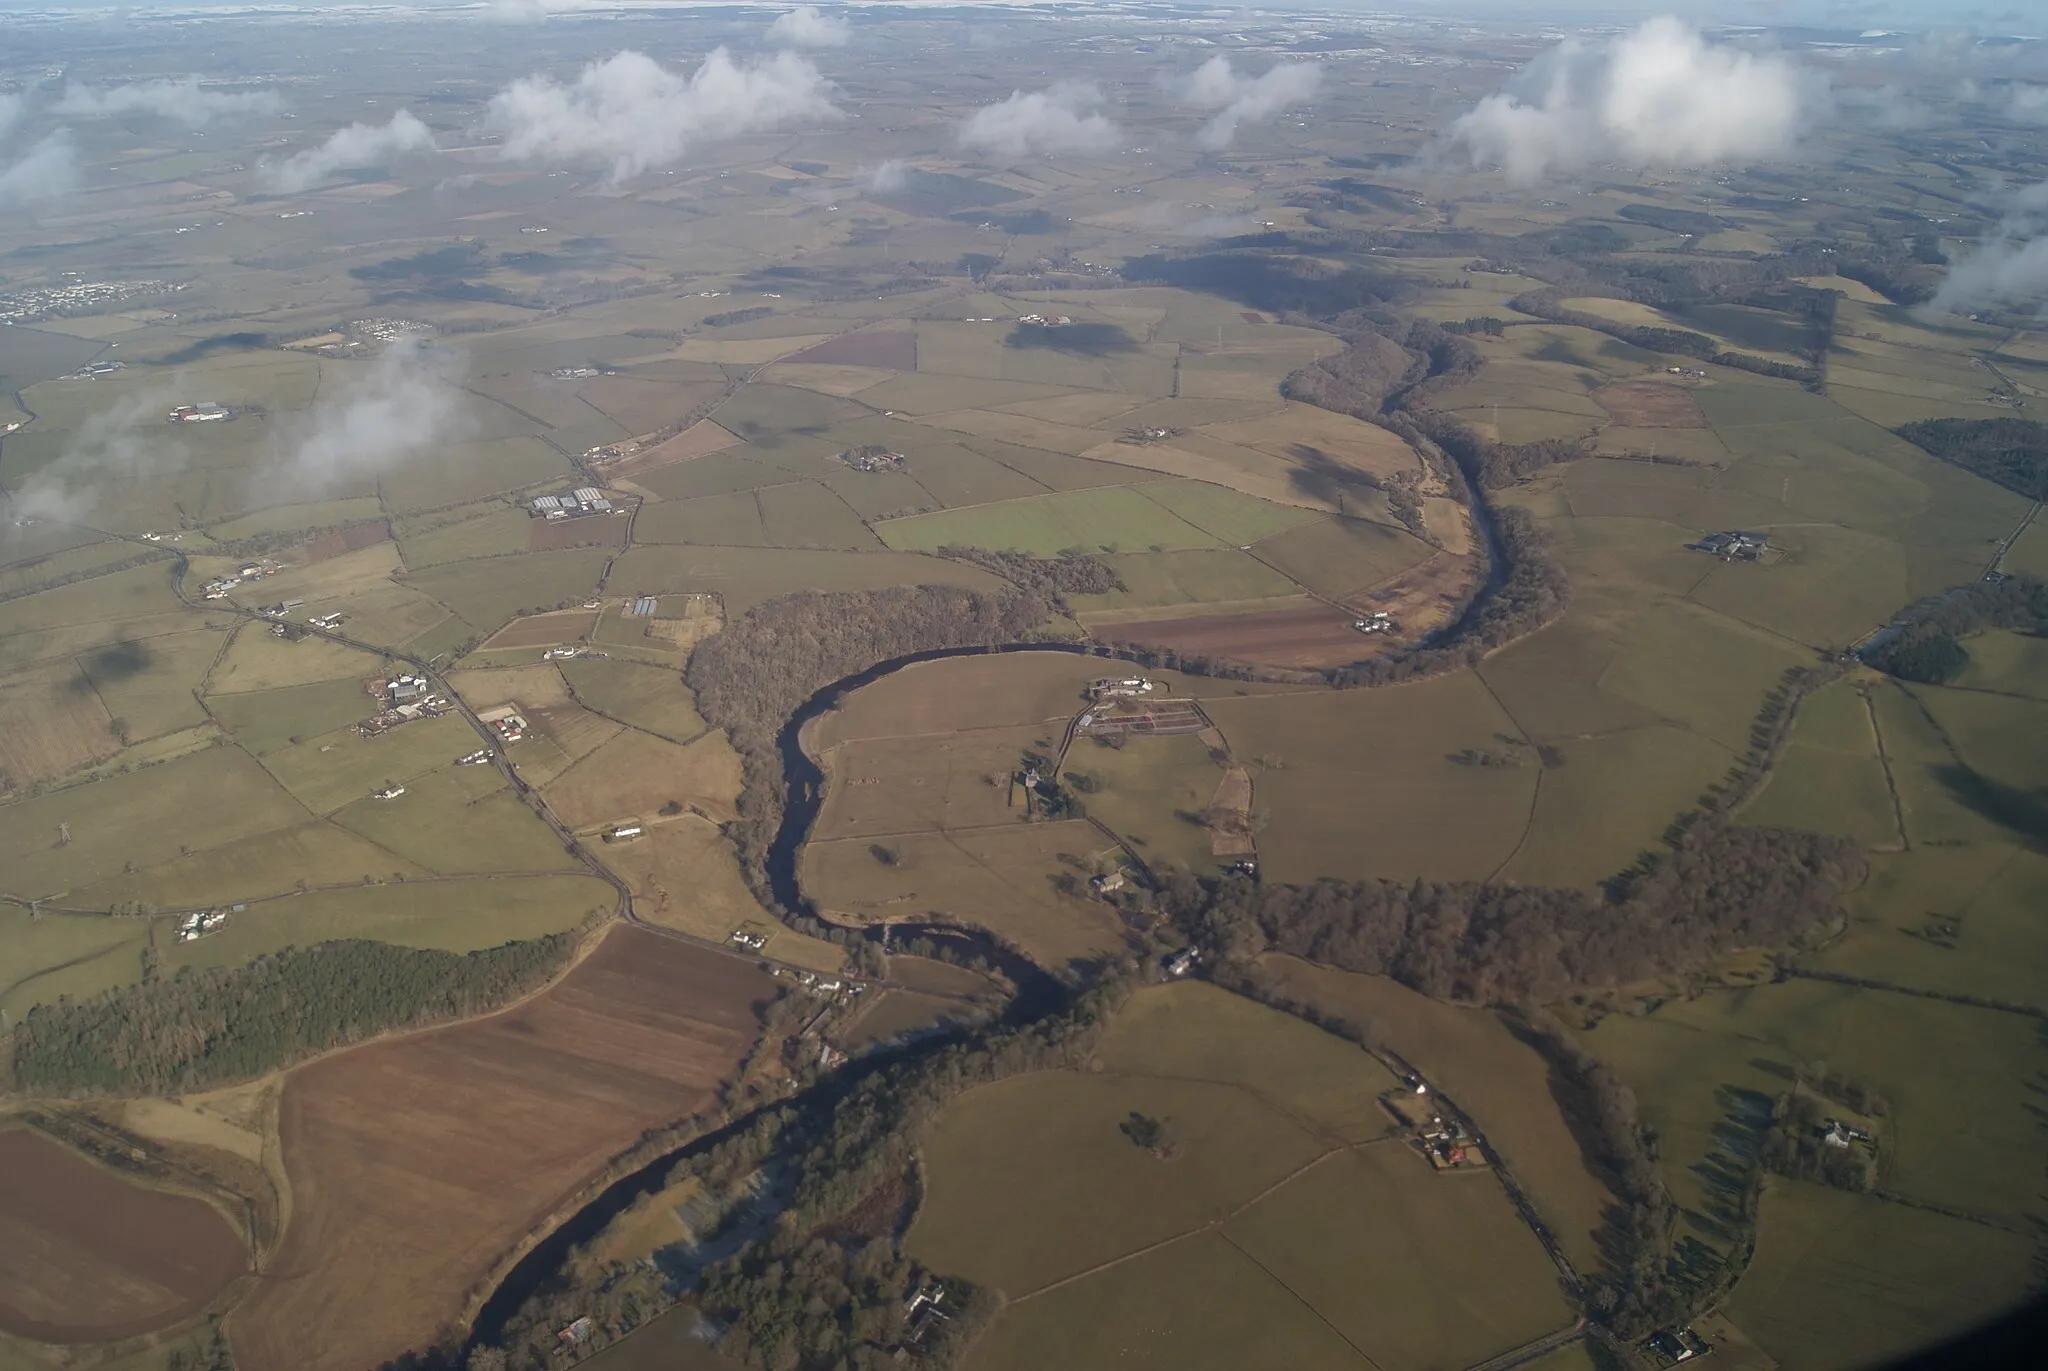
(1160,1137)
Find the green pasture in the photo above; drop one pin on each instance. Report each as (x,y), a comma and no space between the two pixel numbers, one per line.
(58,955)
(1423,1271)
(650,698)
(454,916)
(710,520)
(1115,519)
(262,721)
(1501,1081)
(1841,1282)
(1152,790)
(1830,778)
(152,684)
(439,826)
(1360,784)
(1338,557)
(744,577)
(319,853)
(1225,514)
(150,815)
(1603,801)
(496,532)
(330,770)
(1195,576)
(488,593)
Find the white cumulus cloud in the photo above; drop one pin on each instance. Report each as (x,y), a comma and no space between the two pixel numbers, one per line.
(186,101)
(1241,100)
(2009,268)
(2026,104)
(634,113)
(1659,96)
(1061,118)
(352,148)
(886,179)
(398,410)
(44,172)
(10,110)
(808,27)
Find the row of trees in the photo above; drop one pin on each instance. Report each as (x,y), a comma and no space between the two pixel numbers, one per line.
(1544,304)
(752,677)
(206,1028)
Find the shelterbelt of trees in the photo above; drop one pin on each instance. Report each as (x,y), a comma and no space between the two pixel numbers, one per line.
(1925,644)
(206,1028)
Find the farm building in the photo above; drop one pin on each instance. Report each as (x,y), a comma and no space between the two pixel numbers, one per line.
(623,833)
(1736,544)
(580,501)
(1114,688)
(205,412)
(871,458)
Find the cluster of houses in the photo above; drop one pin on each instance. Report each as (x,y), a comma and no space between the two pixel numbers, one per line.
(1121,688)
(1178,964)
(923,1310)
(219,586)
(1734,545)
(479,757)
(753,942)
(1379,621)
(1674,1345)
(1688,373)
(92,371)
(205,412)
(389,792)
(1044,320)
(569,653)
(583,500)
(199,924)
(575,373)
(1151,433)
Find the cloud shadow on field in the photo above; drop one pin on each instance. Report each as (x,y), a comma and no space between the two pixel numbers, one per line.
(1076,340)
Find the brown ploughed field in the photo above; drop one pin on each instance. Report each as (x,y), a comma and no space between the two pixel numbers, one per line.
(545,630)
(1312,636)
(56,724)
(349,540)
(85,1256)
(418,1162)
(892,349)
(1650,404)
(698,440)
(592,530)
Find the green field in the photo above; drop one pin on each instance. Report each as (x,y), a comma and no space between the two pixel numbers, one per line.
(1364,785)
(649,698)
(1340,557)
(1151,791)
(333,769)
(1831,779)
(1117,519)
(263,721)
(1278,1195)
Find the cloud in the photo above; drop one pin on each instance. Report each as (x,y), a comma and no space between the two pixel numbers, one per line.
(117,445)
(1660,96)
(186,101)
(350,149)
(806,27)
(634,113)
(44,172)
(1058,119)
(2026,104)
(10,110)
(2009,268)
(400,409)
(1242,100)
(886,179)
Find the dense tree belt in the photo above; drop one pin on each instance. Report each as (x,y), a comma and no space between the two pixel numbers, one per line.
(752,677)
(1506,944)
(2011,452)
(1070,573)
(207,1028)
(1925,643)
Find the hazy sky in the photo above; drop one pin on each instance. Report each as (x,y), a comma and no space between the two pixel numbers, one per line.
(2007,16)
